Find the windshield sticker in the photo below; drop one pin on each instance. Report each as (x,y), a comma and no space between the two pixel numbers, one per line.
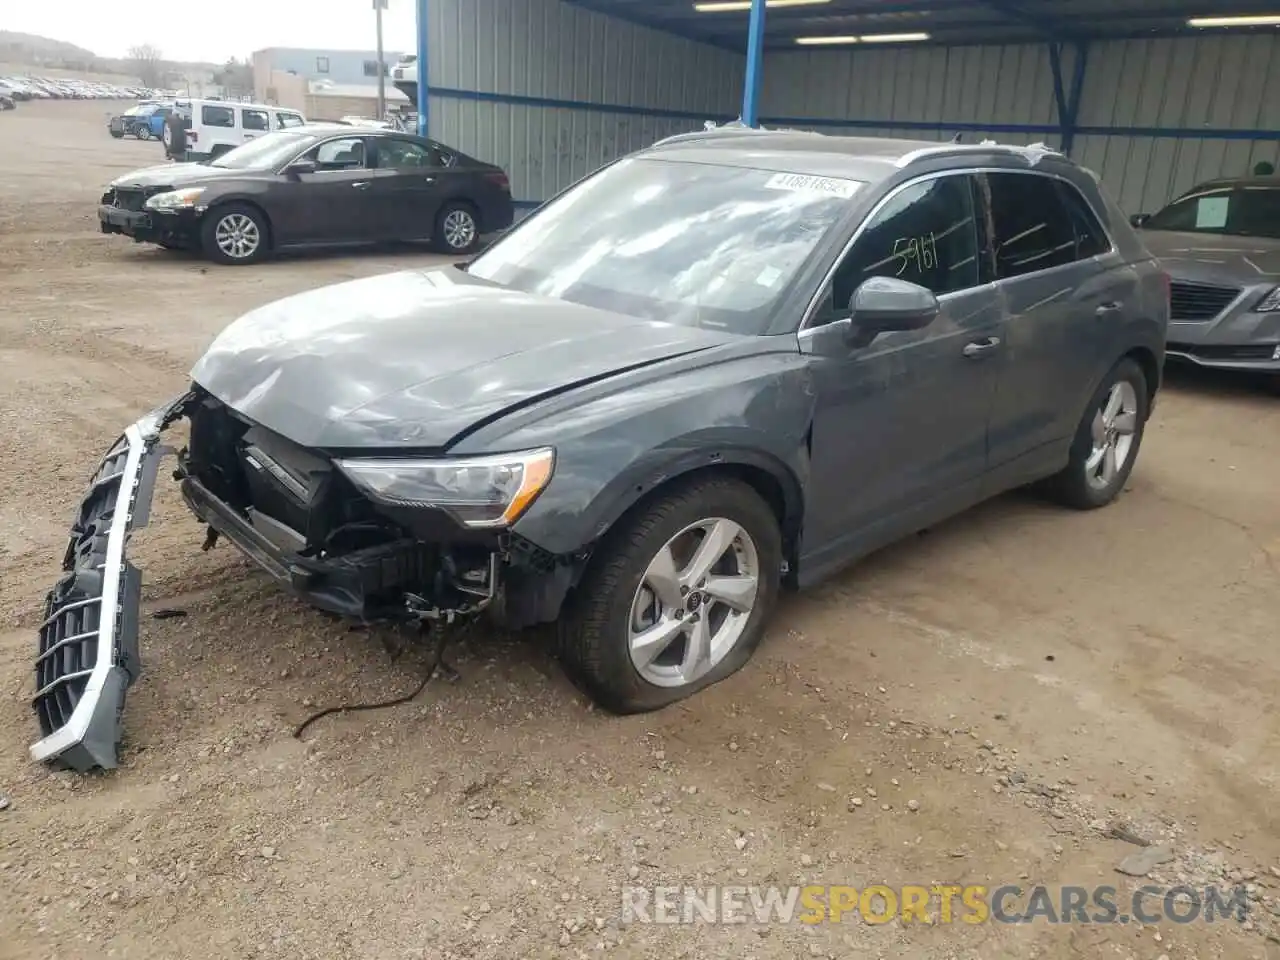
(1211,213)
(769,276)
(829,186)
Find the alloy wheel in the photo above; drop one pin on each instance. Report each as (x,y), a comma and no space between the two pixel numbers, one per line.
(237,236)
(459,229)
(1114,427)
(693,602)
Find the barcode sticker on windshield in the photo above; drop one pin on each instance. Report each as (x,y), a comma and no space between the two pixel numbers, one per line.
(831,186)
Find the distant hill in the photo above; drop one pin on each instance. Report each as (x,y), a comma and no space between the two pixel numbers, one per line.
(28,48)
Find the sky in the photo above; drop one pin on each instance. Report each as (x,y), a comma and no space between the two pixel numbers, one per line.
(187,30)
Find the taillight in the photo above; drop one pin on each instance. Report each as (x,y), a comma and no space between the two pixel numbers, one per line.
(1168,288)
(500,180)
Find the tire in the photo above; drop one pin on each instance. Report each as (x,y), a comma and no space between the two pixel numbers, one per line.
(142,133)
(616,598)
(452,234)
(230,227)
(1086,483)
(116,134)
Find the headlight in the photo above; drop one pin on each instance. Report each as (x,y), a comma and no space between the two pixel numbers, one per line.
(1269,303)
(479,492)
(175,199)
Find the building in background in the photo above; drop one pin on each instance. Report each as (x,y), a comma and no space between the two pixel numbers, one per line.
(323,84)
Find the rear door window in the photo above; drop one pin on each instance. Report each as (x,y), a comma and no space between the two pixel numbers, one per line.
(397,154)
(211,116)
(1033,227)
(255,120)
(287,120)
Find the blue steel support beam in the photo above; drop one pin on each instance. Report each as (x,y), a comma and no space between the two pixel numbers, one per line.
(1071,125)
(1068,102)
(421,64)
(755,66)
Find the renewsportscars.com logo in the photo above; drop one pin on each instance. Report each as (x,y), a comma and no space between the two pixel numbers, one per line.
(937,903)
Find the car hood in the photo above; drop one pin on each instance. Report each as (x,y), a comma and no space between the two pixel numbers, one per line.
(1215,259)
(175,175)
(415,359)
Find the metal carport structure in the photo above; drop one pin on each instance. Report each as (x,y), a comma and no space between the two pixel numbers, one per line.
(1129,87)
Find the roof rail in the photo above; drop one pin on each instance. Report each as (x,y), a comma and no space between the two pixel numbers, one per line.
(734,128)
(1032,153)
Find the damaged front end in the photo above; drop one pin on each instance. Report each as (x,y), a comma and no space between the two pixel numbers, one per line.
(88,648)
(333,530)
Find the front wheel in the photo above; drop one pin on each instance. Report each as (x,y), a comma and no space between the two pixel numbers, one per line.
(235,234)
(676,597)
(456,229)
(142,133)
(1107,441)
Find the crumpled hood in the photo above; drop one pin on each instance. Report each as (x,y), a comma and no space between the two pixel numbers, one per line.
(412,359)
(175,175)
(1215,259)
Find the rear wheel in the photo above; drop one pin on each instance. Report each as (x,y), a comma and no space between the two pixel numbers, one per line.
(457,230)
(1107,441)
(235,234)
(675,599)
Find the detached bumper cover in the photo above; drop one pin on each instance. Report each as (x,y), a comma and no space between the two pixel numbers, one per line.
(88,645)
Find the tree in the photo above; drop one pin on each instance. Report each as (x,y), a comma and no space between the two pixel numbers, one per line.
(148,63)
(235,77)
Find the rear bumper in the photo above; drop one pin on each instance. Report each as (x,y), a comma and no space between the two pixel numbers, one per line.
(88,652)
(144,226)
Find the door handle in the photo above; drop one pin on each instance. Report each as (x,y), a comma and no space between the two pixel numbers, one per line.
(980,348)
(361,184)
(1108,308)
(428,179)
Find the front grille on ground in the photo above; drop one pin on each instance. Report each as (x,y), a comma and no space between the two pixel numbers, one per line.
(1250,352)
(87,653)
(1199,301)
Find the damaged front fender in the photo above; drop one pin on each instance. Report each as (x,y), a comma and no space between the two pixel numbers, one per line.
(88,645)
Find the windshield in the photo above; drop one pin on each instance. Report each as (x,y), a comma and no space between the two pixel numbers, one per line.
(679,242)
(142,109)
(1242,211)
(269,150)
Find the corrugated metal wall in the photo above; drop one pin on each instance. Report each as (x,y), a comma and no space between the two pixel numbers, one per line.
(1195,86)
(537,51)
(1219,82)
(922,86)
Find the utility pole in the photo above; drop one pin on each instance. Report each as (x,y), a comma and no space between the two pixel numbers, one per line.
(378,7)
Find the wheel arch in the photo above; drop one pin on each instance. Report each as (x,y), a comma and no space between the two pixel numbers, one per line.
(1146,359)
(774,481)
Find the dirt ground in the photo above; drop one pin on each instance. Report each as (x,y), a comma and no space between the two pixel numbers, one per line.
(995,694)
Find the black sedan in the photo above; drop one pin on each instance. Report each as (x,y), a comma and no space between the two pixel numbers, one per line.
(319,186)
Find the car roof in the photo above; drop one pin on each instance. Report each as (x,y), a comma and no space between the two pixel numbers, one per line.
(816,154)
(1271,181)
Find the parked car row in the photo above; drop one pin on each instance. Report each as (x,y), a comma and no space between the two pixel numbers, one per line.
(20,88)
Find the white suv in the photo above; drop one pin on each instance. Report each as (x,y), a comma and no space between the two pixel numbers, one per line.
(216,126)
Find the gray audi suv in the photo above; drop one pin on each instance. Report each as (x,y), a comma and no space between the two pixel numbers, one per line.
(730,363)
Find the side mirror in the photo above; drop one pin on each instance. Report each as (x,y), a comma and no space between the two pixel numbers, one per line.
(1138,219)
(299,167)
(887,304)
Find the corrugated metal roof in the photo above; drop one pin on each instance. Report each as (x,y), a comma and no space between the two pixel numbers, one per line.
(946,21)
